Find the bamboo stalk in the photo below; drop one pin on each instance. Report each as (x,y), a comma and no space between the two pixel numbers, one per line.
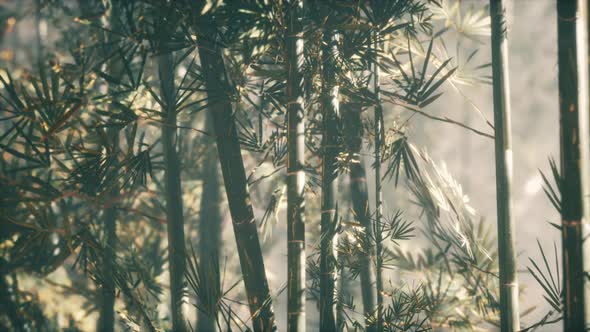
(234,176)
(341,290)
(173,192)
(210,228)
(573,107)
(106,319)
(330,109)
(378,126)
(362,212)
(107,307)
(509,315)
(295,169)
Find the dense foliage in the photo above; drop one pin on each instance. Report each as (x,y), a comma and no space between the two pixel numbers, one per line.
(125,125)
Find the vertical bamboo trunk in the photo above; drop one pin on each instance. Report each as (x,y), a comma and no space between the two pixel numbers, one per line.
(509,315)
(341,290)
(295,172)
(234,177)
(573,106)
(330,109)
(378,124)
(210,228)
(362,213)
(106,319)
(107,312)
(107,308)
(173,192)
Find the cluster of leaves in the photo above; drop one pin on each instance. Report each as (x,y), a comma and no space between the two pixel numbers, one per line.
(456,270)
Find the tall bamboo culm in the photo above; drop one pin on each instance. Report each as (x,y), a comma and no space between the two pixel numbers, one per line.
(295,168)
(573,110)
(234,177)
(330,109)
(379,137)
(106,315)
(509,315)
(210,223)
(362,212)
(173,192)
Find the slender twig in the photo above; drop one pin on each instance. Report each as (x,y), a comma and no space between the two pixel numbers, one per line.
(442,119)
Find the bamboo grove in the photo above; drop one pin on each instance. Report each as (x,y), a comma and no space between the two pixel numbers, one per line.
(132,130)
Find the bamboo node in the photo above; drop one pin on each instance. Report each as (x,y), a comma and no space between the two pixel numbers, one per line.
(295,313)
(571,223)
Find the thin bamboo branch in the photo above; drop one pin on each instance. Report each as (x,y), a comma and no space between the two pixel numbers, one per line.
(445,119)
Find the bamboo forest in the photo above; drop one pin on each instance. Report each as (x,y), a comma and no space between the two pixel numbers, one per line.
(294,165)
